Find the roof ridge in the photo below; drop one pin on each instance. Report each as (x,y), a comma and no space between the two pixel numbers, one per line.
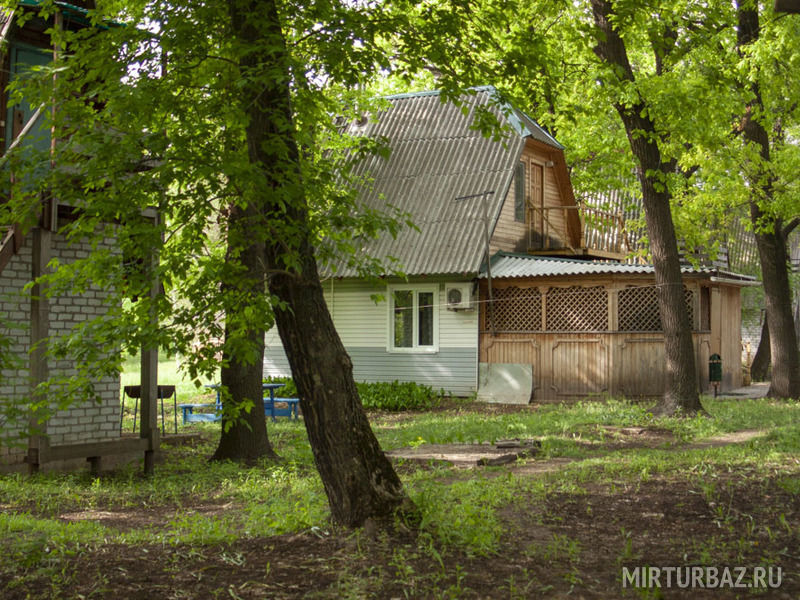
(437,92)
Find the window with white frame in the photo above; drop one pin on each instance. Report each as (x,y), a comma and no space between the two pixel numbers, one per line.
(413,318)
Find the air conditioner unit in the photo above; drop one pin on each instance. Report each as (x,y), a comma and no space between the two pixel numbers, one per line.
(458,296)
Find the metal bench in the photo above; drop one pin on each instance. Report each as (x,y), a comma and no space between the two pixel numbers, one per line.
(189,416)
(164,392)
(292,409)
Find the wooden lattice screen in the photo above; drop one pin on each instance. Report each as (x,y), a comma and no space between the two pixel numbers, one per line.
(517,309)
(577,309)
(638,309)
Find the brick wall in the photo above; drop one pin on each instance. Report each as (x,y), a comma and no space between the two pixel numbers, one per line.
(16,309)
(85,422)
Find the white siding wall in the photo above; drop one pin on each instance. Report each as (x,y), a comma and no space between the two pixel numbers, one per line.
(363,326)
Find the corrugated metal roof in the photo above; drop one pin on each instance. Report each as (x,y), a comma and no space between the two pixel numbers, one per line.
(445,174)
(530,127)
(509,266)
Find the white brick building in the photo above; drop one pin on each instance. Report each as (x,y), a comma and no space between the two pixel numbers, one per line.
(86,422)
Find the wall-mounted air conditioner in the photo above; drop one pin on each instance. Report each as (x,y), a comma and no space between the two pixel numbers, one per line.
(458,296)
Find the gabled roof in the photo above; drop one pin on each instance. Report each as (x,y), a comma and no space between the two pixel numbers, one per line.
(506,265)
(445,174)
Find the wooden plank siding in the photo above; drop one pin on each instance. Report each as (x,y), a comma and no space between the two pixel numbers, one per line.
(731,337)
(603,360)
(542,228)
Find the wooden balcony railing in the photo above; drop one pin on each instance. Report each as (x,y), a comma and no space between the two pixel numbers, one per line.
(603,232)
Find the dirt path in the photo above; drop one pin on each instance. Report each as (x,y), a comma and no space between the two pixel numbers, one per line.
(477,455)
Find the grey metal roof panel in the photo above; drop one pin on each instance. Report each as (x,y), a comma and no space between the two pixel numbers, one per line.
(509,266)
(532,128)
(437,172)
(523,124)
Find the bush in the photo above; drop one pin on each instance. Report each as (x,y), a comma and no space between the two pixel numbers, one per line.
(288,391)
(394,396)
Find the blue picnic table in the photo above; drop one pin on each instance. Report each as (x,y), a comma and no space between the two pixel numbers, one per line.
(291,410)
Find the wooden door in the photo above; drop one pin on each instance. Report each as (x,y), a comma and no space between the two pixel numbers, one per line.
(538,218)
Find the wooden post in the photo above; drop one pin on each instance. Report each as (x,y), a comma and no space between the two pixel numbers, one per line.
(613,307)
(148,428)
(490,305)
(716,320)
(149,376)
(543,291)
(149,414)
(615,340)
(40,330)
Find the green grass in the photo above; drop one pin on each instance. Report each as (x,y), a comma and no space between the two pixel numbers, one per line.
(169,373)
(461,510)
(585,421)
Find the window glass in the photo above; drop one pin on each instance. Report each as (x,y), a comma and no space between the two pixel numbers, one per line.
(425,319)
(519,193)
(414,318)
(403,319)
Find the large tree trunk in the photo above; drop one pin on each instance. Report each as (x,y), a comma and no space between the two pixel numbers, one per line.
(784,356)
(759,369)
(770,238)
(359,480)
(682,389)
(244,432)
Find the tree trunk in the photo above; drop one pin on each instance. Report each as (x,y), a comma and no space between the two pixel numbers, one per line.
(359,480)
(759,370)
(770,239)
(682,390)
(784,356)
(244,432)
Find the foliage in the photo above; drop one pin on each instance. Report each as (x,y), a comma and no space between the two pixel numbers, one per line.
(396,396)
(147,118)
(541,57)
(13,410)
(391,397)
(191,507)
(289,389)
(461,509)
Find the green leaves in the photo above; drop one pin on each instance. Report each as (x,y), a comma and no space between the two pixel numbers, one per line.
(149,124)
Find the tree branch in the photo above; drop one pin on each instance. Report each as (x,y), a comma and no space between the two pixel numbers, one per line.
(790,226)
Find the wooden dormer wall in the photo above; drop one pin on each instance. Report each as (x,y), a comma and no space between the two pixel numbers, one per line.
(559,229)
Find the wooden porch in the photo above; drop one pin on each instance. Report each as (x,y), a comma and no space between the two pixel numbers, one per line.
(569,366)
(591,335)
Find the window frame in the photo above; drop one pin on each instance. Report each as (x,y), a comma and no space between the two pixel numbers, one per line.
(520,192)
(415,289)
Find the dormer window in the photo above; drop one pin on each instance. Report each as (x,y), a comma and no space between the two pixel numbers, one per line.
(519,193)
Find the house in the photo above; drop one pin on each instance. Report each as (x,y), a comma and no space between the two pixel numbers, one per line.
(90,430)
(505,288)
